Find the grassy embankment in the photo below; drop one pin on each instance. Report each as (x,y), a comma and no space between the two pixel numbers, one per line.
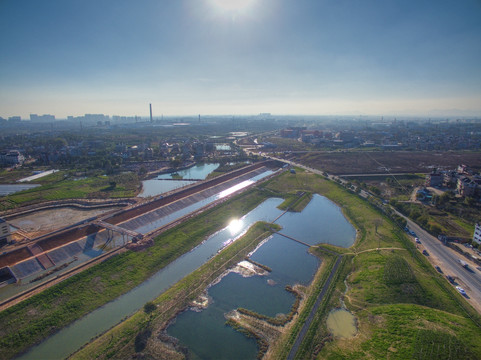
(34,319)
(59,186)
(403,307)
(225,168)
(142,333)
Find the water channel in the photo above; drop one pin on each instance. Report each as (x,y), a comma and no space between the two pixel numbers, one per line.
(164,183)
(289,260)
(205,334)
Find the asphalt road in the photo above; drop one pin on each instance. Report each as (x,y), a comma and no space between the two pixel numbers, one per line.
(447,258)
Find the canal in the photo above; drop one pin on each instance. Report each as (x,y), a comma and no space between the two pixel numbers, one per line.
(320,221)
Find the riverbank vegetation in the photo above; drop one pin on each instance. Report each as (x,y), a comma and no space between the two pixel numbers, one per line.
(120,341)
(36,318)
(403,307)
(64,185)
(296,202)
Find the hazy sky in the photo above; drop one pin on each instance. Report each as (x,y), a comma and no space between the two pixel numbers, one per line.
(70,57)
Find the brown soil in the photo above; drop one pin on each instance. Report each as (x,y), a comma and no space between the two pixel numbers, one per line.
(45,221)
(397,162)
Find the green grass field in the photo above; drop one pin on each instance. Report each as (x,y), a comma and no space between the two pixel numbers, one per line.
(404,309)
(60,186)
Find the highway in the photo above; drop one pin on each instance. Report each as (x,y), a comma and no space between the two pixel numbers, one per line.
(447,258)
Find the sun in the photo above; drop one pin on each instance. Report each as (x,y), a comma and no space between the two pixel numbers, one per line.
(232,5)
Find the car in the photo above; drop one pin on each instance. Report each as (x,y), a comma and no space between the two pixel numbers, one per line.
(417,240)
(450,278)
(425,253)
(438,269)
(461,290)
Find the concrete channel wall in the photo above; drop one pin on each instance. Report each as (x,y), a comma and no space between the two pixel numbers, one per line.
(68,235)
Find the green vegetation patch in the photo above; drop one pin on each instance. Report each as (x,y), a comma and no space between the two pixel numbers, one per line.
(135,334)
(397,271)
(439,345)
(60,186)
(36,318)
(296,202)
(407,331)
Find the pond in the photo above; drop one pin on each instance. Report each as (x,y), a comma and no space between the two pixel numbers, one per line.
(342,323)
(205,334)
(167,182)
(290,262)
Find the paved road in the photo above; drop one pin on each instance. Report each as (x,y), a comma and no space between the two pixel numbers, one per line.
(313,312)
(447,258)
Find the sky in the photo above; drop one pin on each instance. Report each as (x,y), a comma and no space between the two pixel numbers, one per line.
(187,57)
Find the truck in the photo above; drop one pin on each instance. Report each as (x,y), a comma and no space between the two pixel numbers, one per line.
(463,263)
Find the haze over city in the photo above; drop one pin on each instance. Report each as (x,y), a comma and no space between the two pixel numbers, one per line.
(240,57)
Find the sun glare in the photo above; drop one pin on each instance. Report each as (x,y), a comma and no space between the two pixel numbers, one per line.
(235,226)
(232,5)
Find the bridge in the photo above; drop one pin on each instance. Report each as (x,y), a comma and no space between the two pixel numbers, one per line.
(120,230)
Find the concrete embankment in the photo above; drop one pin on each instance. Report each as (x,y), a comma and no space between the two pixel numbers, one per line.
(68,235)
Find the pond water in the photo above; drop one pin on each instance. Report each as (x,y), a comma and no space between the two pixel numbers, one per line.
(164,183)
(199,172)
(342,323)
(71,338)
(256,293)
(13,188)
(205,333)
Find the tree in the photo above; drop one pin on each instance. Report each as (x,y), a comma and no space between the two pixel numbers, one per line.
(149,307)
(377,223)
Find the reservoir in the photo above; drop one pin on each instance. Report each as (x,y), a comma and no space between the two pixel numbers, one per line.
(204,333)
(284,256)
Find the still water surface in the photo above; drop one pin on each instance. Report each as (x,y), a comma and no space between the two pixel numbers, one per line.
(281,259)
(205,333)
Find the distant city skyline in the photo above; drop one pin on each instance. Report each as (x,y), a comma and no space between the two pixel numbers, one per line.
(240,57)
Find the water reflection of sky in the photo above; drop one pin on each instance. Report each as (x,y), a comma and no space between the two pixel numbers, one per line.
(205,333)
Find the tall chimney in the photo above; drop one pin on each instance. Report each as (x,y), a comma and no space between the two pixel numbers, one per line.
(150,112)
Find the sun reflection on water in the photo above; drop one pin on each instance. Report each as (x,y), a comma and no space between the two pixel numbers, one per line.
(235,226)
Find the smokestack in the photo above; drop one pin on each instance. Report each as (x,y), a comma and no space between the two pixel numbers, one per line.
(150,112)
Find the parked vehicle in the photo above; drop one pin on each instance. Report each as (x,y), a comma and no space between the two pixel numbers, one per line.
(417,240)
(425,253)
(450,278)
(463,263)
(461,290)
(438,269)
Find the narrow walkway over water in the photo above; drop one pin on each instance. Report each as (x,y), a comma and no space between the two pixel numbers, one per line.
(291,238)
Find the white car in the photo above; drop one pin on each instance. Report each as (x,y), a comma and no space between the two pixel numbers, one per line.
(461,290)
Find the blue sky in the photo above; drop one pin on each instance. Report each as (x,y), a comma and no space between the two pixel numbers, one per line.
(386,57)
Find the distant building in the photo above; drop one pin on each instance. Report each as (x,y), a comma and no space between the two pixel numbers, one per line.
(434,179)
(42,118)
(12,157)
(450,178)
(466,187)
(477,234)
(5,235)
(14,119)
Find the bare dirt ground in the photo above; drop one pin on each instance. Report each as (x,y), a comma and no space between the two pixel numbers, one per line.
(376,162)
(45,221)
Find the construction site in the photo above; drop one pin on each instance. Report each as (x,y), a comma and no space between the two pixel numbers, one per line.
(35,263)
